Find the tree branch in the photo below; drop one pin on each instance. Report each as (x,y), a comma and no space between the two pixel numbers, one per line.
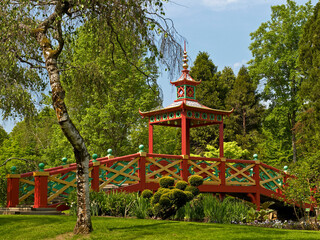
(15,158)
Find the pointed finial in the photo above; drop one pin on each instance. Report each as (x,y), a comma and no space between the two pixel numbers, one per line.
(185,60)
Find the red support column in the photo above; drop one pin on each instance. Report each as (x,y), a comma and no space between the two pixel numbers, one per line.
(222,172)
(221,140)
(185,145)
(40,189)
(13,190)
(256,177)
(150,138)
(142,170)
(95,183)
(184,134)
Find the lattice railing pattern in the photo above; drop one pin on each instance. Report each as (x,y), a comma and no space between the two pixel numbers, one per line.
(26,190)
(270,179)
(119,173)
(159,167)
(209,170)
(239,174)
(60,185)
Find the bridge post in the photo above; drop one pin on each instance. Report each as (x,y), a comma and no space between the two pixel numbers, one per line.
(13,180)
(221,153)
(150,138)
(142,167)
(95,173)
(222,172)
(256,177)
(40,187)
(184,168)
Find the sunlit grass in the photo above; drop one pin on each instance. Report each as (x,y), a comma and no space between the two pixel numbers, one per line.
(60,227)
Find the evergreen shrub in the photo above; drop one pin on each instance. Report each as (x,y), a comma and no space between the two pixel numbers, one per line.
(181,185)
(166,182)
(195,180)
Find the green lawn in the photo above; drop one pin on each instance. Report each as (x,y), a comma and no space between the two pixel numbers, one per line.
(60,227)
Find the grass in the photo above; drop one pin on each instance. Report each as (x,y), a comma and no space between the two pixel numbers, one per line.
(60,227)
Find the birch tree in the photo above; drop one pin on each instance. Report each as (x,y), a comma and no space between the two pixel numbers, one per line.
(32,38)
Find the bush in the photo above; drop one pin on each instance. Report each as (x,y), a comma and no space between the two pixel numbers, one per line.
(156,196)
(147,193)
(194,190)
(178,197)
(166,182)
(189,195)
(181,185)
(195,180)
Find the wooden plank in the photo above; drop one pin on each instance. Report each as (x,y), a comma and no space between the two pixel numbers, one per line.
(26,195)
(27,181)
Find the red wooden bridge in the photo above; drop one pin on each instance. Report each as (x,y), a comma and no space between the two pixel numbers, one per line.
(248,179)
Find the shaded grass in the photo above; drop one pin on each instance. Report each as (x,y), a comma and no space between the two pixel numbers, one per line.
(60,227)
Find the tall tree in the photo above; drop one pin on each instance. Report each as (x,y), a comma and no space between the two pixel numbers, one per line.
(33,34)
(245,122)
(212,92)
(308,127)
(275,53)
(107,112)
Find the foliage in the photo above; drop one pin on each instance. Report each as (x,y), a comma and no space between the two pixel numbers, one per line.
(195,180)
(302,189)
(166,182)
(168,199)
(308,127)
(141,208)
(194,190)
(262,214)
(212,92)
(208,208)
(244,125)
(3,192)
(117,204)
(147,193)
(181,185)
(275,54)
(105,93)
(231,150)
(228,211)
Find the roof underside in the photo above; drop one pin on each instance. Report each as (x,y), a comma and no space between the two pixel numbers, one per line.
(197,114)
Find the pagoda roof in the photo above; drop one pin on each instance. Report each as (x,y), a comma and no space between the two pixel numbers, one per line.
(188,105)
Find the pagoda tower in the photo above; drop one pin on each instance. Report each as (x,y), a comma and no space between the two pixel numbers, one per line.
(186,112)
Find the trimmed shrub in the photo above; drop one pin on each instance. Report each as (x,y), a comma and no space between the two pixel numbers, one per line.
(181,185)
(147,193)
(165,200)
(166,182)
(189,195)
(194,190)
(195,180)
(178,197)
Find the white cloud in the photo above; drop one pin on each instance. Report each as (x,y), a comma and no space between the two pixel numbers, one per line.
(238,65)
(219,5)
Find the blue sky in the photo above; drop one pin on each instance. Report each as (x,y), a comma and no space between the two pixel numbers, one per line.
(219,27)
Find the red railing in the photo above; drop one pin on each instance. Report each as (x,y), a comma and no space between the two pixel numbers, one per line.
(140,171)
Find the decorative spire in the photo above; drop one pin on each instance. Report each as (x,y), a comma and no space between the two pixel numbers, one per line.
(185,60)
